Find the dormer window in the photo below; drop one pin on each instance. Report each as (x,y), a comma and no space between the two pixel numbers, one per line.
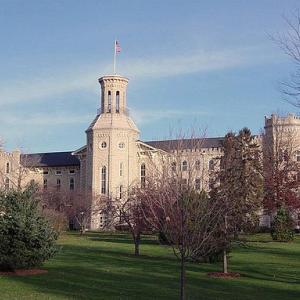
(109,102)
(117,102)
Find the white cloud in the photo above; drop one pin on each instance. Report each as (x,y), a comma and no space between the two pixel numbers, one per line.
(155,67)
(150,116)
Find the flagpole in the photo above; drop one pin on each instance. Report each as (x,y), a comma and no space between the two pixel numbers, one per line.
(115,58)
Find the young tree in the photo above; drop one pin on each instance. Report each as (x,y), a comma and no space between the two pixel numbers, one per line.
(188,219)
(126,213)
(238,186)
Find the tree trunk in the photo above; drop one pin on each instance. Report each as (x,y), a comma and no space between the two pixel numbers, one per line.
(225,267)
(137,240)
(182,278)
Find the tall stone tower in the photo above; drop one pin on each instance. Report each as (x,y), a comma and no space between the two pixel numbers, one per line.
(111,164)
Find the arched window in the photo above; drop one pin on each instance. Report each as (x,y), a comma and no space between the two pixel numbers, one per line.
(6,186)
(7,168)
(58,184)
(184,165)
(197,184)
(109,102)
(143,175)
(211,165)
(72,184)
(117,102)
(197,165)
(173,166)
(103,180)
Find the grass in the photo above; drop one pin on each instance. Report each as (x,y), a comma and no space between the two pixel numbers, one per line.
(101,266)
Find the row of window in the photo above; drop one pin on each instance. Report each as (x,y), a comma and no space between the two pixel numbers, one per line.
(58,172)
(58,184)
(103,145)
(184,165)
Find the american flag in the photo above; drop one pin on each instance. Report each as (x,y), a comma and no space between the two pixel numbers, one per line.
(117,47)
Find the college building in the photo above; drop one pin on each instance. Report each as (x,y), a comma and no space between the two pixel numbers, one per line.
(114,158)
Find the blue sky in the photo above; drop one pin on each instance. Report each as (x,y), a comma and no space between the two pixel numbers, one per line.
(207,64)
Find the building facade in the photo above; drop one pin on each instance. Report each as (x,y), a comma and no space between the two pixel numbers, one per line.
(114,158)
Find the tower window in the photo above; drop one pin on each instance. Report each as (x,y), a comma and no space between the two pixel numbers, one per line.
(117,102)
(58,184)
(7,168)
(103,180)
(109,102)
(122,145)
(72,184)
(121,169)
(197,165)
(6,186)
(143,175)
(103,145)
(184,165)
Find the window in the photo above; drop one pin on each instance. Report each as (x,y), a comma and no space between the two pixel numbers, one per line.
(121,145)
(121,169)
(184,165)
(103,180)
(72,172)
(197,184)
(184,183)
(58,184)
(7,168)
(211,165)
(45,184)
(72,184)
(58,172)
(197,165)
(109,102)
(103,145)
(173,166)
(45,172)
(120,191)
(6,186)
(298,156)
(143,175)
(117,102)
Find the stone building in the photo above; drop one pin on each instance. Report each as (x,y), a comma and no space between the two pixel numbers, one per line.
(114,158)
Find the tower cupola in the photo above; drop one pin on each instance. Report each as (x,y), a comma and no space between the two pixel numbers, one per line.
(113,94)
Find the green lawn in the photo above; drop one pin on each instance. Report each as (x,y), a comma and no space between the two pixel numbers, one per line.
(101,266)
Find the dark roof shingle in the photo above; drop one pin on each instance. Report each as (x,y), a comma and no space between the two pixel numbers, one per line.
(52,159)
(169,145)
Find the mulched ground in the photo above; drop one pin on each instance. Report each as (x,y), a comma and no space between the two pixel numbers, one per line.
(23,272)
(224,275)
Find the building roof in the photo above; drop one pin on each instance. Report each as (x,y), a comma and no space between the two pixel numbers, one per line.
(169,145)
(52,159)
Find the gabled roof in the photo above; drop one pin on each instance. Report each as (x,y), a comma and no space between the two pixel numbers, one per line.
(53,159)
(169,145)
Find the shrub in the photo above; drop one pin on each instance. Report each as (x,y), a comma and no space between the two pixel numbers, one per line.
(27,239)
(282,227)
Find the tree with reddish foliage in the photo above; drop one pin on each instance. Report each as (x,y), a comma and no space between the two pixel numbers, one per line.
(281,169)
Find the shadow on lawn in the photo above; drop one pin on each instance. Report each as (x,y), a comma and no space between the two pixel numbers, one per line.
(95,270)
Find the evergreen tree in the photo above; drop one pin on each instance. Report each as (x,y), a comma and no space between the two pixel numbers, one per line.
(27,239)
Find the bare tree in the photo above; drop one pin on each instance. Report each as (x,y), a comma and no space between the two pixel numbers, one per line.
(289,42)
